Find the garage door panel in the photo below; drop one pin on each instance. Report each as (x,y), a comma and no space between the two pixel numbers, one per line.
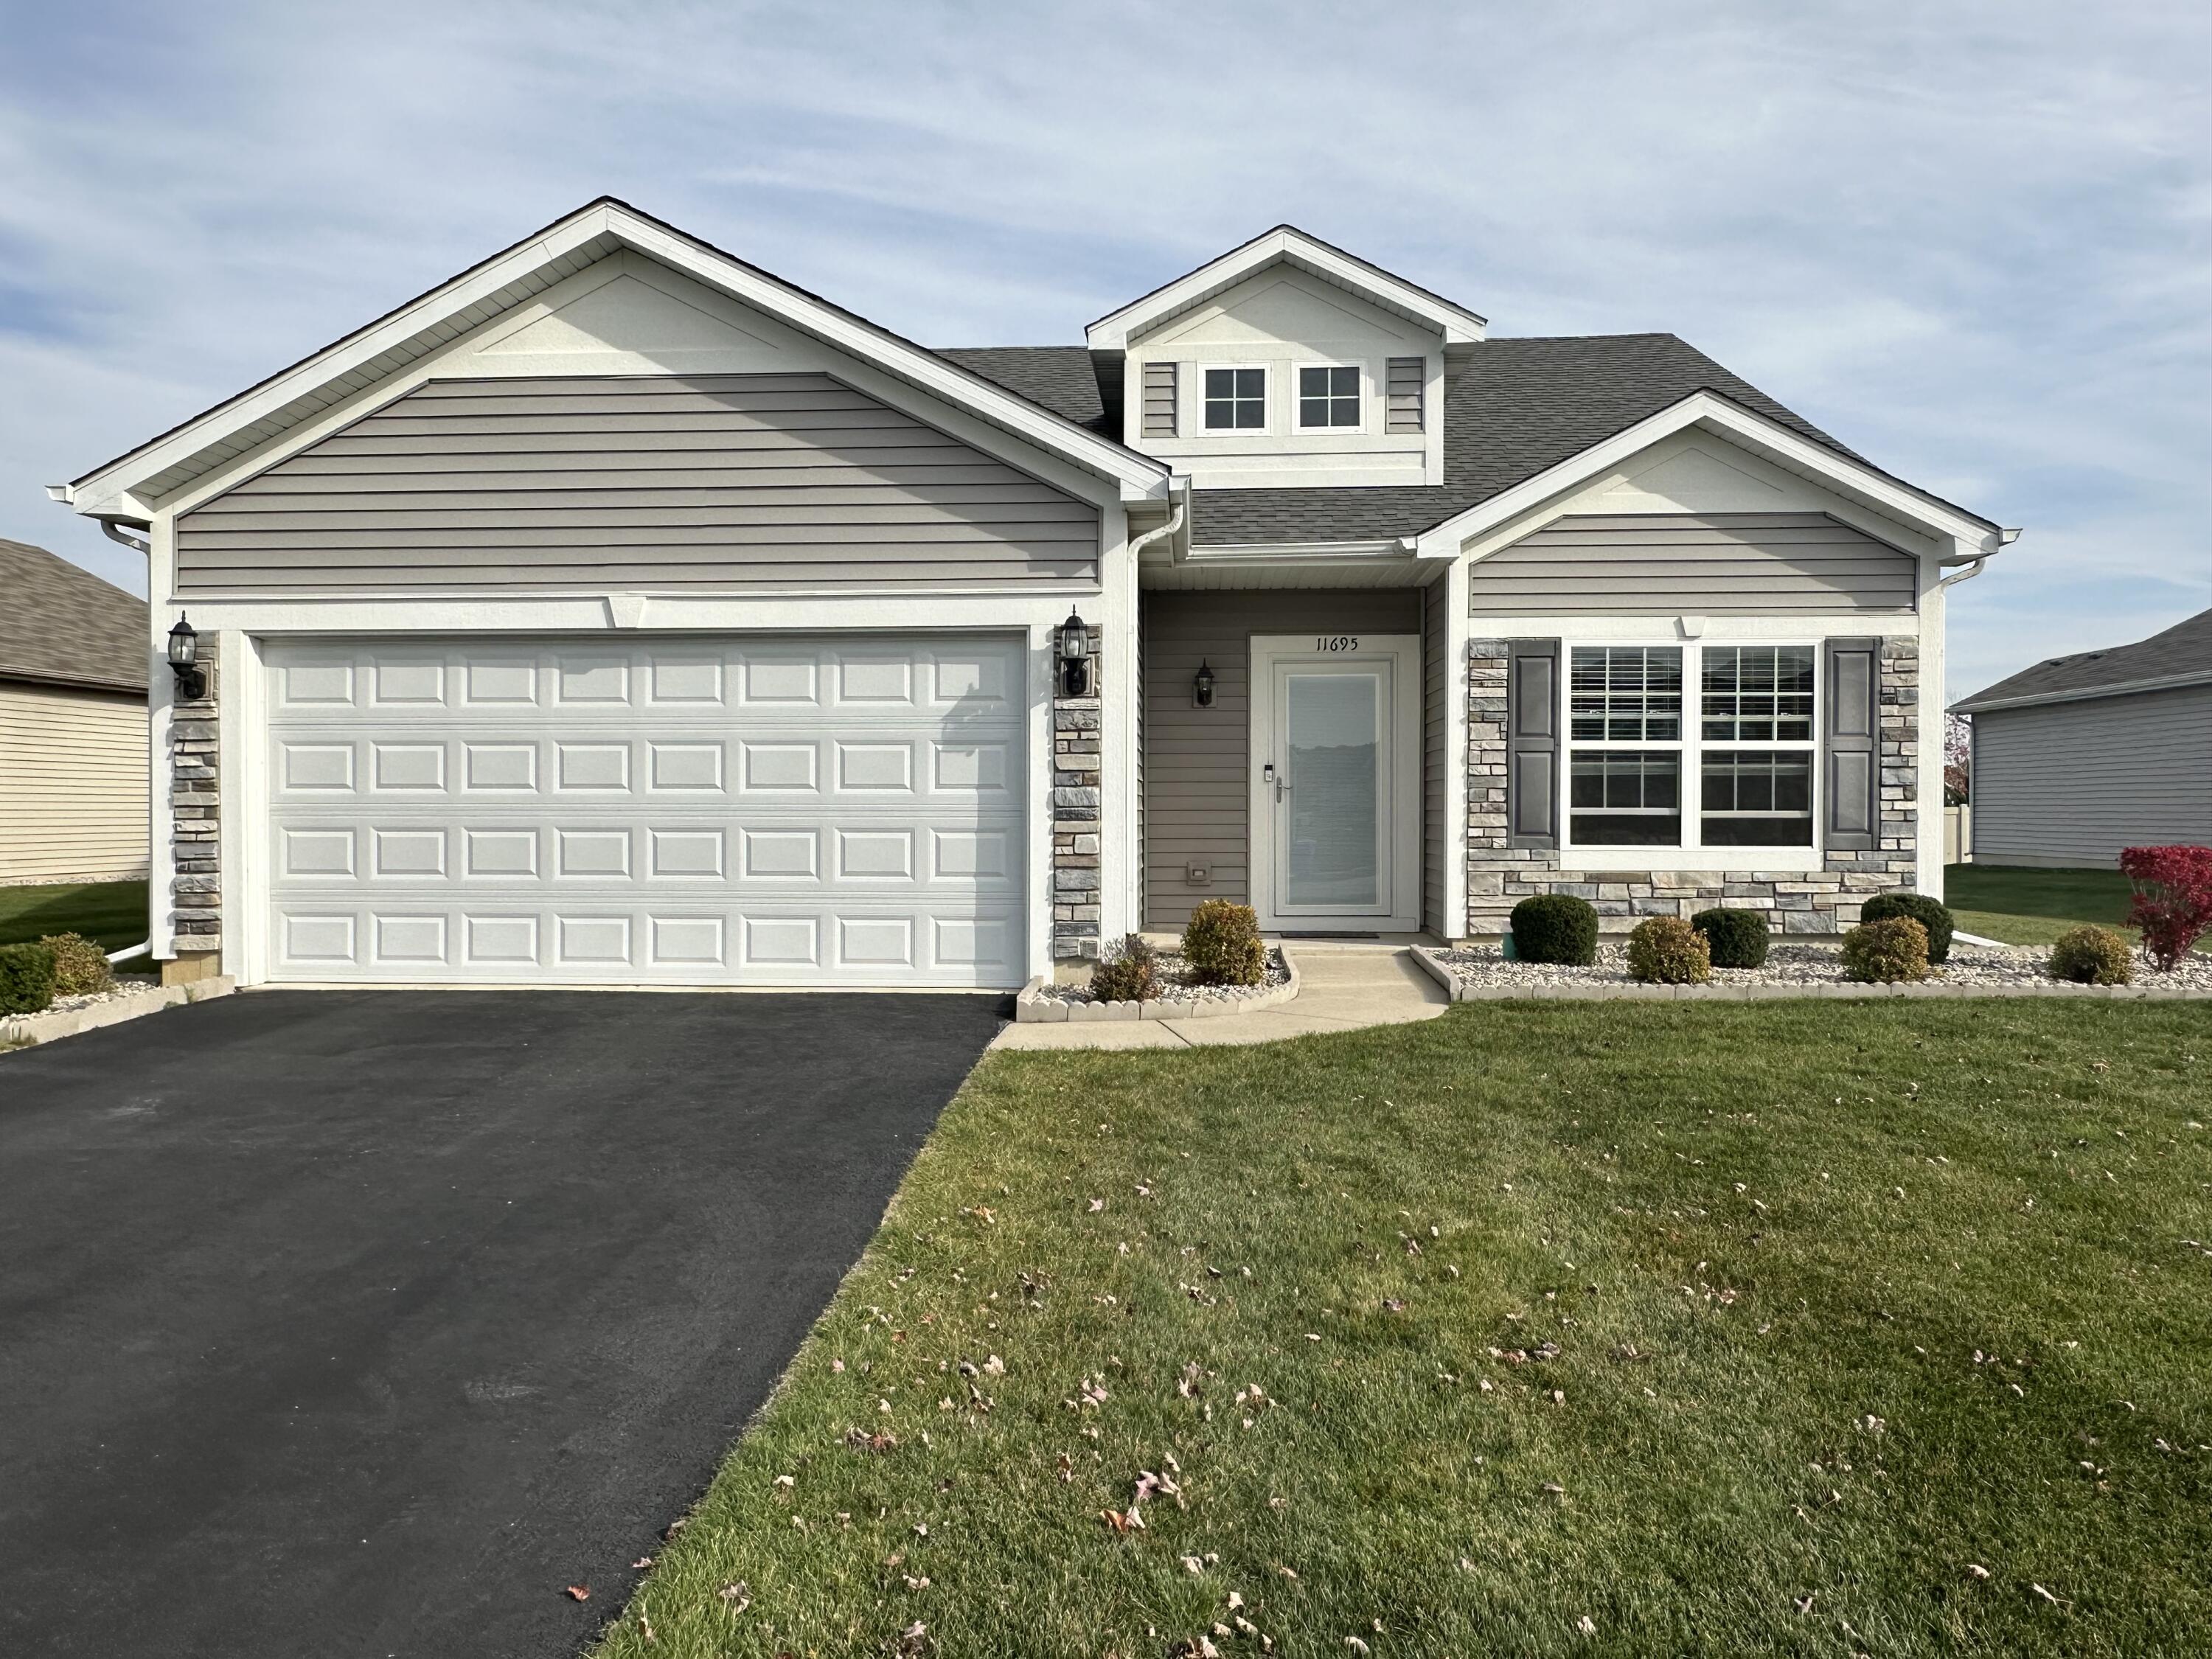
(769,810)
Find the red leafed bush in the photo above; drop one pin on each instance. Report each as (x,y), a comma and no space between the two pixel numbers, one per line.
(2173,898)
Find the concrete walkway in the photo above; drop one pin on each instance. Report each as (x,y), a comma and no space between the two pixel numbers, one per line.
(1342,988)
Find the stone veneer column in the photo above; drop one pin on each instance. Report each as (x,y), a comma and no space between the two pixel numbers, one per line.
(1075,822)
(1824,901)
(196,810)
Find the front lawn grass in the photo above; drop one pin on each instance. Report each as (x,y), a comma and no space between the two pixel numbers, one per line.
(2035,906)
(111,912)
(1746,1329)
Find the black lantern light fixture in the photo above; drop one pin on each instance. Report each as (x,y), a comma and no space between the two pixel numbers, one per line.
(1201,689)
(1074,657)
(184,660)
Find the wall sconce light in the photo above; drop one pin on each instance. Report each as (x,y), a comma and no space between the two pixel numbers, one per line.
(1201,689)
(1074,657)
(184,660)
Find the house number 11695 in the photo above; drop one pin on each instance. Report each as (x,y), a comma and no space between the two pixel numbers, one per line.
(1337,642)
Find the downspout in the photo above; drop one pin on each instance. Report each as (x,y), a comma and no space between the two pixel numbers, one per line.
(1175,522)
(1974,567)
(1179,493)
(116,532)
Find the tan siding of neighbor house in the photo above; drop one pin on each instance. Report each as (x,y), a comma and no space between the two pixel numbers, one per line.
(1710,564)
(1197,760)
(655,482)
(73,770)
(2068,784)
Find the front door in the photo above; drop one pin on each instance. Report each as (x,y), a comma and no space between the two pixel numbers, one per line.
(1336,782)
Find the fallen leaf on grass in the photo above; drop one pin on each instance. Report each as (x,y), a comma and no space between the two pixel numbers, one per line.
(641,1563)
(1977,1569)
(736,1597)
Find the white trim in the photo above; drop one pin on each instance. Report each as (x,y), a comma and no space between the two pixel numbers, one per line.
(1364,397)
(1138,475)
(1268,652)
(1284,245)
(1119,907)
(1458,633)
(1731,421)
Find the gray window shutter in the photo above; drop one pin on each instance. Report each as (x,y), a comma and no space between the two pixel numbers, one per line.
(1532,743)
(1407,379)
(1850,745)
(1159,400)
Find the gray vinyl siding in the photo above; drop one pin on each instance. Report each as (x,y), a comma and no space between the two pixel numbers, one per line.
(2069,784)
(1437,691)
(1405,383)
(1710,564)
(657,482)
(1196,760)
(1159,400)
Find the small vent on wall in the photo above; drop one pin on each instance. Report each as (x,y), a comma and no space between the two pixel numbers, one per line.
(1159,415)
(1408,377)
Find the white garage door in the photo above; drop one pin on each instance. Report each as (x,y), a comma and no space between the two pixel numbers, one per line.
(844,811)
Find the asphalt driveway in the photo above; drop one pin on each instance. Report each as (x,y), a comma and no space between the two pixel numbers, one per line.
(362,1322)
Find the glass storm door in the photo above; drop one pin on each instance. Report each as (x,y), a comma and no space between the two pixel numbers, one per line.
(1330,784)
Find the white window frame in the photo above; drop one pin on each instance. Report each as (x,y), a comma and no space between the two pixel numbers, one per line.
(1297,398)
(1690,849)
(1266,427)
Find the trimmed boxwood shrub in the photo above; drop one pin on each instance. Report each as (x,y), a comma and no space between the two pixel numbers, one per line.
(1668,950)
(1736,939)
(1886,952)
(1221,944)
(1132,973)
(81,967)
(1555,928)
(2091,956)
(27,979)
(1928,913)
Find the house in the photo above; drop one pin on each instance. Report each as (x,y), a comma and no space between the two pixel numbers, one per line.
(619,613)
(2080,756)
(73,777)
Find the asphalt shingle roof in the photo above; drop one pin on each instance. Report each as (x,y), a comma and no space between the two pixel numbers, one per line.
(62,624)
(1512,408)
(2184,648)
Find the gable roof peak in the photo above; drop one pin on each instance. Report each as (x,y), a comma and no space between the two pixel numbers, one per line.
(1286,243)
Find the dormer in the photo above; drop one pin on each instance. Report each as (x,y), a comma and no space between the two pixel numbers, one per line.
(1286,363)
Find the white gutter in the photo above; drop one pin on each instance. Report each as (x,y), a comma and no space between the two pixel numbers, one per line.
(2083,693)
(1179,494)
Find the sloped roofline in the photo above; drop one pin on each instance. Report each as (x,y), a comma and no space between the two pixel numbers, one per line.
(1287,243)
(1705,406)
(105,492)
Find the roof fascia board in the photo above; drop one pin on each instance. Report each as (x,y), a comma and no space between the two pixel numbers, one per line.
(1729,419)
(2083,693)
(71,681)
(1140,477)
(1113,332)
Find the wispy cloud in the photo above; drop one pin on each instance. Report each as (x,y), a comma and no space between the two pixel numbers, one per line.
(1977,244)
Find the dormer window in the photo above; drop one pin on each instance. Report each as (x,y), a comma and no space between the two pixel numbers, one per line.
(1236,399)
(1327,397)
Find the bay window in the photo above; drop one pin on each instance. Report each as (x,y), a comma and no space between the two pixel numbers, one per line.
(1746,751)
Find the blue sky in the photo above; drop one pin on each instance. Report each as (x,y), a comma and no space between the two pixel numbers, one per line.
(1974,242)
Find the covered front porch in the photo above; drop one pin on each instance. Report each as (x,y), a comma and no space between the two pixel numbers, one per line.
(1292,745)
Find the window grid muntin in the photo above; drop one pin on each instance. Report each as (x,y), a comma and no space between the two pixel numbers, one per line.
(1236,399)
(1625,694)
(1635,699)
(1756,693)
(1329,397)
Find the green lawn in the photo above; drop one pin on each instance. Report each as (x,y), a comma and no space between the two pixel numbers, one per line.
(2035,906)
(113,912)
(1746,1329)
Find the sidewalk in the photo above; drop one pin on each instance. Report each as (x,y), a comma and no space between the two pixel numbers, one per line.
(1342,988)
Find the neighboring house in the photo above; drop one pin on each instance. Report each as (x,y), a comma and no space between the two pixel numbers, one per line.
(618,612)
(2080,756)
(73,778)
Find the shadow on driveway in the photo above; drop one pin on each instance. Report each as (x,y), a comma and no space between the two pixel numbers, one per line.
(361,1322)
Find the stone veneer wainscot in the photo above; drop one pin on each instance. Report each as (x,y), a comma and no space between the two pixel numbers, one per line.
(1824,901)
(1075,772)
(195,815)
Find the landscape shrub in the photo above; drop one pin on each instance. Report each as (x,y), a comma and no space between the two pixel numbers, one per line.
(1668,950)
(2090,956)
(27,979)
(1221,945)
(1736,939)
(81,967)
(1555,928)
(1884,952)
(1928,913)
(1131,974)
(2172,898)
